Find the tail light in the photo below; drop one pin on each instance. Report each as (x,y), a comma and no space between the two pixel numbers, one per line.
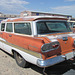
(56,45)
(50,46)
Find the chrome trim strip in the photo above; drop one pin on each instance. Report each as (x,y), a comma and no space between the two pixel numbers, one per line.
(50,62)
(2,39)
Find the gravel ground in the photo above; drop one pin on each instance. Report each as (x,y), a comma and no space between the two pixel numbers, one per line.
(8,66)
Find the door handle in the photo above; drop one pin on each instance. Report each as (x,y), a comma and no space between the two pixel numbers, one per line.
(10,35)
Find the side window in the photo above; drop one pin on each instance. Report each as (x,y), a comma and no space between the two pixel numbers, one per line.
(23,28)
(2,26)
(9,27)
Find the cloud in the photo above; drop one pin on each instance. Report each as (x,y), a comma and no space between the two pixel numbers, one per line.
(69,0)
(69,10)
(12,6)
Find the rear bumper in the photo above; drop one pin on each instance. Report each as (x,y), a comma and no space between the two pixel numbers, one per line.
(55,60)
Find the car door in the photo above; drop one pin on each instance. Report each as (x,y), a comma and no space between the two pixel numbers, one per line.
(8,37)
(9,32)
(22,31)
(2,40)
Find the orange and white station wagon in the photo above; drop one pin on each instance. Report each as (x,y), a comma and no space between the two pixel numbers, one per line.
(40,40)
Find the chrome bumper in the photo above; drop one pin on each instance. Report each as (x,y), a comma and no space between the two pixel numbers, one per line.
(50,62)
(55,60)
(70,55)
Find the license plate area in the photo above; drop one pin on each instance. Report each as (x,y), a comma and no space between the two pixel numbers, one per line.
(69,55)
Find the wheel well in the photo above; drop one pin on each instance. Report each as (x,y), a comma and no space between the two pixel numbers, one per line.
(13,52)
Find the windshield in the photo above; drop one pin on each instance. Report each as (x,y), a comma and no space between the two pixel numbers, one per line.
(45,27)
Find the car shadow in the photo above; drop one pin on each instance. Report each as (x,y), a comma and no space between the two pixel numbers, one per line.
(7,53)
(58,69)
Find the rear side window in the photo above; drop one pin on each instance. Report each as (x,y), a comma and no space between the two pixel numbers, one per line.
(23,28)
(2,26)
(9,27)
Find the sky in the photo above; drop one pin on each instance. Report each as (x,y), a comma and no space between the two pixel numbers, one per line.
(65,7)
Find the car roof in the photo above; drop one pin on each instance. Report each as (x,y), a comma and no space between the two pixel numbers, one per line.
(33,18)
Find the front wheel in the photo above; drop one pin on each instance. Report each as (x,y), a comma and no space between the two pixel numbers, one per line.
(20,60)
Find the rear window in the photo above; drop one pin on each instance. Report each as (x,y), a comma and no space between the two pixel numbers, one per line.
(44,27)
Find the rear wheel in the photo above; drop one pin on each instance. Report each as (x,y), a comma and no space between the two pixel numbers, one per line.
(20,60)
(74,61)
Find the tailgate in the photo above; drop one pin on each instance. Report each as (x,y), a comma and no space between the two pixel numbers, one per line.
(66,44)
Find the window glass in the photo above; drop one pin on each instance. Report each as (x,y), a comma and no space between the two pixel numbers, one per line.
(56,26)
(2,26)
(23,28)
(45,27)
(9,27)
(41,27)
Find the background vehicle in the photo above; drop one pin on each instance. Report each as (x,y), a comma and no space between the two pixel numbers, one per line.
(72,24)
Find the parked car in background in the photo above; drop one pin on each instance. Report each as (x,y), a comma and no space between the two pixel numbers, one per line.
(72,25)
(40,40)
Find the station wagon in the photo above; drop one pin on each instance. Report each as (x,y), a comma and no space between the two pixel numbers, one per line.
(40,40)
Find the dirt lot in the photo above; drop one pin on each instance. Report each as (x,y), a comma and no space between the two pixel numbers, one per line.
(8,66)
